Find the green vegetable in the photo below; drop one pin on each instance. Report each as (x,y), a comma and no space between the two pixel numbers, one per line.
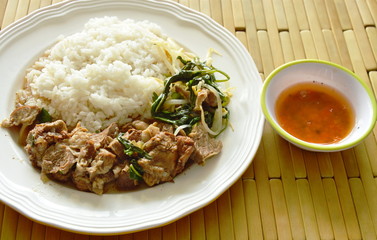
(136,172)
(135,153)
(44,116)
(191,74)
(131,150)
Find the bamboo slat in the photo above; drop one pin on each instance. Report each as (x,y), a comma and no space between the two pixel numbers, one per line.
(205,7)
(251,34)
(252,209)
(372,5)
(286,193)
(238,210)
(343,14)
(238,15)
(283,225)
(335,211)
(258,13)
(227,14)
(315,27)
(366,16)
(289,186)
(308,211)
(226,228)
(361,36)
(264,195)
(345,199)
(211,221)
(318,196)
(300,13)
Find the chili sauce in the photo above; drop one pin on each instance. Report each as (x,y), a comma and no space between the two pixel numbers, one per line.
(315,113)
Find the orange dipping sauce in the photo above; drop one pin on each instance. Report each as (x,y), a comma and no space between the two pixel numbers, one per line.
(314,113)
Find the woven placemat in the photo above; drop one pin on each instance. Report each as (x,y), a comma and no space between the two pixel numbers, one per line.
(286,193)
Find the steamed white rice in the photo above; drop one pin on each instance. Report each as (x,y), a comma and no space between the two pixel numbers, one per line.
(105,73)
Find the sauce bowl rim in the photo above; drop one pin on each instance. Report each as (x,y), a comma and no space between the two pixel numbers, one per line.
(338,146)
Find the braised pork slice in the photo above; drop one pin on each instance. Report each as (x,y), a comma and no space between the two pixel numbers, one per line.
(124,181)
(169,155)
(185,149)
(93,168)
(43,136)
(24,115)
(205,96)
(58,161)
(205,146)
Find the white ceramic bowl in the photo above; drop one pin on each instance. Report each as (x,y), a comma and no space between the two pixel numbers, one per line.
(332,75)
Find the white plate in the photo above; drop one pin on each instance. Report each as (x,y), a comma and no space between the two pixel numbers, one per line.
(55,205)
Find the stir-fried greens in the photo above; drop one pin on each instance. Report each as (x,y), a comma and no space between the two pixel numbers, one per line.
(135,153)
(178,103)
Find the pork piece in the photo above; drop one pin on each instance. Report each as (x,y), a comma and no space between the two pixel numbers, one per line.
(100,170)
(80,177)
(100,181)
(133,135)
(43,136)
(139,125)
(169,155)
(24,115)
(205,146)
(142,135)
(79,136)
(205,96)
(163,150)
(93,169)
(153,174)
(102,163)
(185,149)
(57,162)
(183,92)
(151,131)
(164,127)
(117,148)
(106,136)
(124,182)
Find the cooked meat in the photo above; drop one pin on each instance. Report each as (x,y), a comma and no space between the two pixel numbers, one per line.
(200,98)
(93,168)
(93,174)
(86,154)
(117,148)
(169,156)
(153,174)
(24,115)
(205,96)
(164,127)
(140,125)
(57,162)
(133,135)
(102,163)
(41,137)
(163,150)
(149,132)
(185,149)
(124,182)
(211,99)
(182,91)
(106,136)
(93,160)
(80,177)
(100,181)
(78,138)
(205,146)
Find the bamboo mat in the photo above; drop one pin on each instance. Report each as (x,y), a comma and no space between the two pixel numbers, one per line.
(286,193)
